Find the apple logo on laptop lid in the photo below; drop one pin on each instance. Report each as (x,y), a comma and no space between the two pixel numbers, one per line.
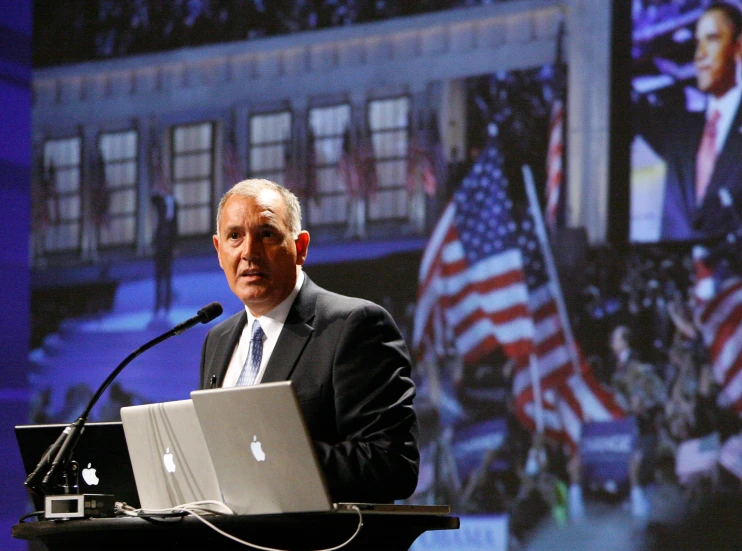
(169,461)
(89,476)
(257,449)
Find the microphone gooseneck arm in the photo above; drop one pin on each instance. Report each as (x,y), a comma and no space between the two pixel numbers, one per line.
(62,448)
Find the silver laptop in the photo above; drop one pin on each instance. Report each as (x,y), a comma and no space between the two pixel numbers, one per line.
(169,456)
(261,449)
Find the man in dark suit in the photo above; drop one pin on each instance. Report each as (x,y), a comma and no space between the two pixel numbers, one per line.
(345,356)
(702,151)
(165,236)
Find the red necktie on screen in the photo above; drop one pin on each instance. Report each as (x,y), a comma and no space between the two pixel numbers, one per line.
(706,156)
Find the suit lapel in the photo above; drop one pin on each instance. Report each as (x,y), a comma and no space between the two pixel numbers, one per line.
(294,336)
(696,124)
(728,162)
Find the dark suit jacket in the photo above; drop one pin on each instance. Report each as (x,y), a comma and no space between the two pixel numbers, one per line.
(676,137)
(351,371)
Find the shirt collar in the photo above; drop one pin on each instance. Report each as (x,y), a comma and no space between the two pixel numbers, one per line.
(726,103)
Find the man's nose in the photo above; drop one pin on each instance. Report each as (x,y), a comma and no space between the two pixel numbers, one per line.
(700,50)
(250,248)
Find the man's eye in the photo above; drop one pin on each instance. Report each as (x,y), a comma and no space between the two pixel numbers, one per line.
(233,235)
(268,233)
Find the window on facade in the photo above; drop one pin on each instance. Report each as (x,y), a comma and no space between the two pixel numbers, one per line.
(327,193)
(114,197)
(270,146)
(388,123)
(192,175)
(60,187)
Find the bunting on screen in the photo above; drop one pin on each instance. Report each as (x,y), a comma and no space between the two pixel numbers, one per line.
(721,326)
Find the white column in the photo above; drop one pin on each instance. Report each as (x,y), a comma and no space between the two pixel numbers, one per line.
(588,113)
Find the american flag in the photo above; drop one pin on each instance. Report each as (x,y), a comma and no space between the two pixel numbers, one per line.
(100,196)
(292,170)
(425,163)
(555,152)
(568,403)
(357,166)
(156,164)
(555,163)
(233,169)
(348,167)
(310,190)
(720,321)
(571,394)
(473,292)
(484,285)
(553,357)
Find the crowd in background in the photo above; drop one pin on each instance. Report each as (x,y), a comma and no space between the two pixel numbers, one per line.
(633,312)
(80,30)
(660,369)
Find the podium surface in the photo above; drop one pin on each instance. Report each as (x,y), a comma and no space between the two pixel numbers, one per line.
(297,532)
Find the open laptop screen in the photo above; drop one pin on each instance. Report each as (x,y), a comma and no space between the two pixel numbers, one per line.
(171,462)
(101,453)
(261,449)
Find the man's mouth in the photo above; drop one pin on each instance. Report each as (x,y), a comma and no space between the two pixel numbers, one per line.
(251,274)
(702,68)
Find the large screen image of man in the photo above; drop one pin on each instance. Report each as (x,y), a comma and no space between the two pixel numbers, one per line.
(686,174)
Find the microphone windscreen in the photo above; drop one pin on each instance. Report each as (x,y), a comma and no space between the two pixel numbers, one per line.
(210,312)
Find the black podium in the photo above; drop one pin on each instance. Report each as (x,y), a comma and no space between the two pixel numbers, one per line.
(297,532)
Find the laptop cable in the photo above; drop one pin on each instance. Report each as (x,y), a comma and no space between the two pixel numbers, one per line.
(199,508)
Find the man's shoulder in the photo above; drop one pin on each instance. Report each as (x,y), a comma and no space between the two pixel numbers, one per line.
(229,323)
(334,304)
(337,302)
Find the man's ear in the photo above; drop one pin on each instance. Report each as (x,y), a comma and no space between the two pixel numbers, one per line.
(302,247)
(215,239)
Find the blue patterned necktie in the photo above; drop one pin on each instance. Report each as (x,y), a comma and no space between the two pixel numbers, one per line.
(252,363)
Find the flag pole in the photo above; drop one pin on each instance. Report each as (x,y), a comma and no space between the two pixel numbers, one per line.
(538,404)
(551,271)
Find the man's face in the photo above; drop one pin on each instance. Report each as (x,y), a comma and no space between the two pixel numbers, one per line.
(716,53)
(257,252)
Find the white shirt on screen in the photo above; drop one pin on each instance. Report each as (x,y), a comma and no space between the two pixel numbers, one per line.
(726,105)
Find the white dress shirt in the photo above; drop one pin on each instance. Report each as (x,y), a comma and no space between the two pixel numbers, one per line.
(272,323)
(726,105)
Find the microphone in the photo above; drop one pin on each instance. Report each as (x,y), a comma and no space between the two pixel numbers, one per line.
(204,315)
(59,452)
